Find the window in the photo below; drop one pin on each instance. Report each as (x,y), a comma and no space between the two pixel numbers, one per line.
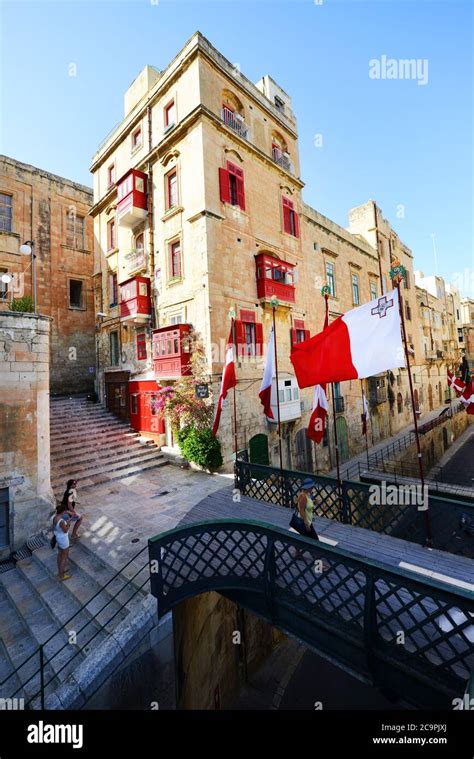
(137,138)
(175,318)
(399,403)
(139,241)
(299,333)
(111,235)
(113,290)
(355,289)
(111,175)
(175,259)
(457,315)
(171,190)
(279,104)
(76,297)
(75,230)
(290,217)
(3,285)
(407,312)
(114,348)
(330,280)
(141,346)
(231,182)
(170,114)
(6,207)
(249,334)
(406,279)
(373,290)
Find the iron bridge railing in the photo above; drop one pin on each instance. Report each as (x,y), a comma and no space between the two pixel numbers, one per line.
(358,504)
(388,625)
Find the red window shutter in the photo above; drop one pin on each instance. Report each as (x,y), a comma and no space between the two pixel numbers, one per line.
(293,336)
(306,334)
(297,224)
(287,206)
(298,323)
(240,338)
(240,193)
(224,185)
(259,339)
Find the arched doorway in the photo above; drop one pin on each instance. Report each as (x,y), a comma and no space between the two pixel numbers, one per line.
(304,452)
(258,447)
(430,398)
(342,438)
(440,393)
(417,400)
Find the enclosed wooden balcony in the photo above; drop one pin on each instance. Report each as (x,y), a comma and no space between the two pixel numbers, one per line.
(275,278)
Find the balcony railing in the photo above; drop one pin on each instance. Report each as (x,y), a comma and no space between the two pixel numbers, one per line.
(378,395)
(339,404)
(236,123)
(281,159)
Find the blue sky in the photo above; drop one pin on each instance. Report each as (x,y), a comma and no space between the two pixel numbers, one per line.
(407,145)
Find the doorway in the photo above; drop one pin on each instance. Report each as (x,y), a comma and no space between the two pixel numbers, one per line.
(342,438)
(116,393)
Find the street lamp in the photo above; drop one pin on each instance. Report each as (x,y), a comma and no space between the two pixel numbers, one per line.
(28,249)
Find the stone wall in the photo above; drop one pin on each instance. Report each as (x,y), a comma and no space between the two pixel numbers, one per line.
(436,442)
(24,421)
(210,666)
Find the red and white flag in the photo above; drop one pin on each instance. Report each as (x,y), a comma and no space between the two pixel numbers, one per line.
(265,393)
(228,378)
(317,422)
(457,384)
(361,343)
(365,413)
(467,398)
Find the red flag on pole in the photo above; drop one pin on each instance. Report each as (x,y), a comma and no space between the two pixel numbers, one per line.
(265,393)
(317,422)
(456,383)
(228,378)
(467,398)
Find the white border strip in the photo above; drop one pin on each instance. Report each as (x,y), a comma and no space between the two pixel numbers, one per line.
(437,576)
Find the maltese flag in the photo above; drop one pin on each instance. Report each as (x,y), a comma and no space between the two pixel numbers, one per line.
(317,422)
(467,398)
(456,383)
(361,343)
(228,379)
(265,393)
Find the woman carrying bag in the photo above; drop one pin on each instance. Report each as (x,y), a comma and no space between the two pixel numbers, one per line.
(302,519)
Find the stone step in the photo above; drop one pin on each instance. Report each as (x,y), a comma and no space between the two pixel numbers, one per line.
(10,684)
(83,588)
(92,452)
(78,444)
(57,420)
(111,460)
(24,627)
(108,467)
(100,479)
(74,429)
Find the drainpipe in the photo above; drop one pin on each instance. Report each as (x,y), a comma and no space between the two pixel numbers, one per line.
(150,218)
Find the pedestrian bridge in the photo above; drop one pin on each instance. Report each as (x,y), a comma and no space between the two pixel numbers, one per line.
(387,624)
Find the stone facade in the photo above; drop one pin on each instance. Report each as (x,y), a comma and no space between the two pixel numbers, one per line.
(52,212)
(26,497)
(223,126)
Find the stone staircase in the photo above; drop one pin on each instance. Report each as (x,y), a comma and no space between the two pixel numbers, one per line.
(93,446)
(87,617)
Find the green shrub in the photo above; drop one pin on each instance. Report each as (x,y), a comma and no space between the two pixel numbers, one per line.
(182,434)
(202,448)
(25,304)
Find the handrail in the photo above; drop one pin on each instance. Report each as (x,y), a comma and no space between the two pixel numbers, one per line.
(92,621)
(352,610)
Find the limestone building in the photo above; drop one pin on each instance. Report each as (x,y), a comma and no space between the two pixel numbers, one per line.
(198,215)
(51,212)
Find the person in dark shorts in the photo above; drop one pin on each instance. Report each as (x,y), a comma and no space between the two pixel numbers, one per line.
(69,500)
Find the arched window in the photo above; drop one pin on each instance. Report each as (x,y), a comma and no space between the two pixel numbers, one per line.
(140,241)
(280,151)
(233,113)
(399,403)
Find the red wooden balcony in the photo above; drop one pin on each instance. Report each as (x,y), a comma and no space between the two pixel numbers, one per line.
(135,300)
(132,206)
(172,352)
(275,278)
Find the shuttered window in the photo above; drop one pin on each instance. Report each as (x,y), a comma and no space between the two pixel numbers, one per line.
(231,184)
(290,218)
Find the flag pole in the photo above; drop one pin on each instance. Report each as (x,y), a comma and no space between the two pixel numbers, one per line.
(274,304)
(234,351)
(366,425)
(397,273)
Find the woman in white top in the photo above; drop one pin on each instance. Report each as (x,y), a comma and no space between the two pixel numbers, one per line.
(60,529)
